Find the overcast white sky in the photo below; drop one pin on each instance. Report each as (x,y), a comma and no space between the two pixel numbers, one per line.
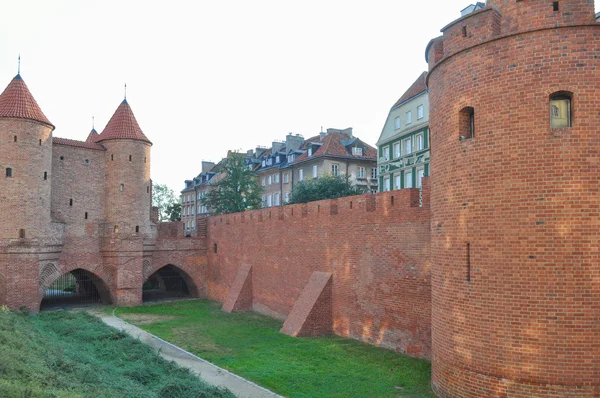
(207,76)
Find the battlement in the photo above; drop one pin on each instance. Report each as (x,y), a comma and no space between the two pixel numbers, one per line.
(400,205)
(502,18)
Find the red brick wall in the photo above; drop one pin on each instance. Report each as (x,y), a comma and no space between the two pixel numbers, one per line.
(525,198)
(376,247)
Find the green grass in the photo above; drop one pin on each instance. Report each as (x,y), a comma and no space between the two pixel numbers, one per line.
(251,346)
(73,354)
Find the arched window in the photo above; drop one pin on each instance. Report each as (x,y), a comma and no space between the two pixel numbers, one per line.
(560,109)
(466,123)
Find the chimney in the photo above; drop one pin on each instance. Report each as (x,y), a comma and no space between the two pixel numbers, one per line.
(293,142)
(207,166)
(277,146)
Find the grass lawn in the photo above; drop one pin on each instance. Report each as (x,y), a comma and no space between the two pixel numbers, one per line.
(73,354)
(251,346)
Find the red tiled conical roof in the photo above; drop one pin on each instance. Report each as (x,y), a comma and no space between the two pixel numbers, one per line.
(17,101)
(93,136)
(123,126)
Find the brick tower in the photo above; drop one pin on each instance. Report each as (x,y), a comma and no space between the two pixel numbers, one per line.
(127,182)
(515,207)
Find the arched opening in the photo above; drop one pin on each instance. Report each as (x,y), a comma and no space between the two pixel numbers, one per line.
(169,282)
(78,288)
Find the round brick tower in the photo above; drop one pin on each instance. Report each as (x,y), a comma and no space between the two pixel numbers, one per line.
(25,164)
(514,95)
(127,182)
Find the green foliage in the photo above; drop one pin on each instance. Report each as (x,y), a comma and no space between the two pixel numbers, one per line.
(169,205)
(237,191)
(67,354)
(324,187)
(250,345)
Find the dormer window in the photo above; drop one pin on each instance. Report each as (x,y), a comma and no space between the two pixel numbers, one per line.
(290,158)
(278,159)
(560,110)
(264,163)
(356,151)
(309,151)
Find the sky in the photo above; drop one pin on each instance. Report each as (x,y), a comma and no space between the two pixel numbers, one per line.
(204,77)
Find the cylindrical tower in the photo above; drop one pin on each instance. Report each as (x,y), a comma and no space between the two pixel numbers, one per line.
(25,165)
(127,182)
(515,141)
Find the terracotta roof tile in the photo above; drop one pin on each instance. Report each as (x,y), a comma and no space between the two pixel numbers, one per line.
(93,136)
(78,144)
(122,125)
(333,146)
(416,88)
(17,101)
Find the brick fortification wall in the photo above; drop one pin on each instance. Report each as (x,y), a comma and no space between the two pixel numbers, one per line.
(515,270)
(375,246)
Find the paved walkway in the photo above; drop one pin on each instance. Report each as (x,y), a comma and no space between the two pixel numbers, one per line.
(207,371)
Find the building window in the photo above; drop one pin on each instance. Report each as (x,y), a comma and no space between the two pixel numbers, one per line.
(315,171)
(420,112)
(262,182)
(408,179)
(310,151)
(264,163)
(112,157)
(86,215)
(300,175)
(420,175)
(199,209)
(8,172)
(287,197)
(361,172)
(70,202)
(15,138)
(397,124)
(193,224)
(122,187)
(386,153)
(467,123)
(356,151)
(408,117)
(276,199)
(192,208)
(286,178)
(334,169)
(276,178)
(21,233)
(373,173)
(45,175)
(560,110)
(264,201)
(396,150)
(386,184)
(419,142)
(269,200)
(398,182)
(269,180)
(408,146)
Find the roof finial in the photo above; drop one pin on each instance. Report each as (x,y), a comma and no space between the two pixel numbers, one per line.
(93,123)
(125,91)
(19,65)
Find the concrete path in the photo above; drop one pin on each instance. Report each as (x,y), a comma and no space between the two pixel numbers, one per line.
(207,371)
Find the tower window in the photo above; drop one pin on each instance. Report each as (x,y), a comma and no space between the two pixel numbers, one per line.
(122,187)
(86,215)
(144,159)
(468,262)
(147,189)
(62,158)
(112,157)
(21,234)
(560,110)
(130,158)
(8,172)
(214,247)
(137,229)
(70,202)
(555,5)
(40,142)
(15,138)
(116,229)
(467,123)
(45,175)
(464,31)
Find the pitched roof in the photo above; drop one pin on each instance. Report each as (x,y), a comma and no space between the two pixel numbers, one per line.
(419,86)
(122,125)
(334,145)
(93,136)
(17,101)
(77,144)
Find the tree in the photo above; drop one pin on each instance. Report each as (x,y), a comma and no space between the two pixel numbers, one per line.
(324,187)
(174,211)
(164,198)
(237,191)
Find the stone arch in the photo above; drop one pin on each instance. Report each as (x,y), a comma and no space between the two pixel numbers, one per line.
(158,281)
(51,273)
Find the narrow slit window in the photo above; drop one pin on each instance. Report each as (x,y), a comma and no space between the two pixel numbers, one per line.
(116,229)
(561,110)
(8,172)
(214,247)
(468,262)
(147,189)
(137,229)
(21,233)
(45,175)
(145,159)
(112,157)
(15,138)
(40,142)
(464,31)
(130,158)
(122,187)
(467,123)
(555,5)
(86,215)
(70,202)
